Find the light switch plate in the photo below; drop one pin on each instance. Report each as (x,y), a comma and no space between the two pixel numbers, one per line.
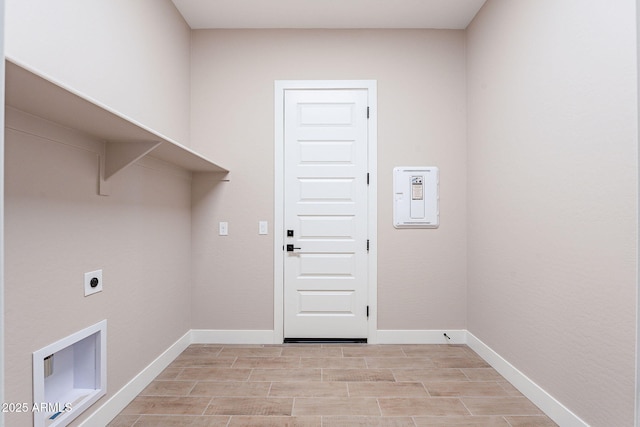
(263,227)
(223,229)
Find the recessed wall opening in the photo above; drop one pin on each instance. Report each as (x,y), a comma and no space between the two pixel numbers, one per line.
(69,376)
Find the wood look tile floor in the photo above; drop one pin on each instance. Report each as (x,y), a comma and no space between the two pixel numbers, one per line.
(330,385)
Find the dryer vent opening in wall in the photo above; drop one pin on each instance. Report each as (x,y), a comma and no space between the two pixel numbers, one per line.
(415,197)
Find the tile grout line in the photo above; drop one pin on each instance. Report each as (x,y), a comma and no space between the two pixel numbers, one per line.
(379,407)
(235,359)
(195,383)
(136,421)
(465,407)
(426,389)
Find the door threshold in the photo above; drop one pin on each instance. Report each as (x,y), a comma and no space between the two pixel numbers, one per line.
(325,340)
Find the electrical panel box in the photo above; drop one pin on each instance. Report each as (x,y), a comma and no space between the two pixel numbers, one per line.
(415,197)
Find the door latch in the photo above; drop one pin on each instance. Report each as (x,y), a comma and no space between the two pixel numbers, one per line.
(290,248)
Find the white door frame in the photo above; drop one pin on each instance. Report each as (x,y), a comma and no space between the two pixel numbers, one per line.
(278,227)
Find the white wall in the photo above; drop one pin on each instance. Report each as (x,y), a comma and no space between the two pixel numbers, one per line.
(132,56)
(637,391)
(58,228)
(638,278)
(552,206)
(2,78)
(421,121)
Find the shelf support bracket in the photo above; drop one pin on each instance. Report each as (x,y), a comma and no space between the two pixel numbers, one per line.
(118,155)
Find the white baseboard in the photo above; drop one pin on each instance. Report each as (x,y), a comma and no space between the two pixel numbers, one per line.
(555,410)
(116,403)
(547,403)
(410,336)
(216,336)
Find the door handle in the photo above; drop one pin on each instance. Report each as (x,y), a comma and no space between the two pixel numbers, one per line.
(290,248)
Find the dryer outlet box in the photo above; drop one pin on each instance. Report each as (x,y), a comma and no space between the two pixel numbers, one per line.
(92,282)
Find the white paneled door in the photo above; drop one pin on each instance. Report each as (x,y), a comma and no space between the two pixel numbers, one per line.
(325,214)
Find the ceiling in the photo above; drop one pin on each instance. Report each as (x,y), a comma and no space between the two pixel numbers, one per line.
(330,14)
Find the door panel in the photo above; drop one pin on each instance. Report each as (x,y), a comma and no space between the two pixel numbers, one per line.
(325,162)
(326,227)
(324,265)
(327,303)
(332,114)
(327,152)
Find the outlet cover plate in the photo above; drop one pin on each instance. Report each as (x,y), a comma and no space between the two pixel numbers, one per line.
(88,289)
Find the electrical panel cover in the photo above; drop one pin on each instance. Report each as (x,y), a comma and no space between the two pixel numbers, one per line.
(415,197)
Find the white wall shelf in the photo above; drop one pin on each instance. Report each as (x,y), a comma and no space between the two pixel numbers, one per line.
(126,141)
(69,376)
